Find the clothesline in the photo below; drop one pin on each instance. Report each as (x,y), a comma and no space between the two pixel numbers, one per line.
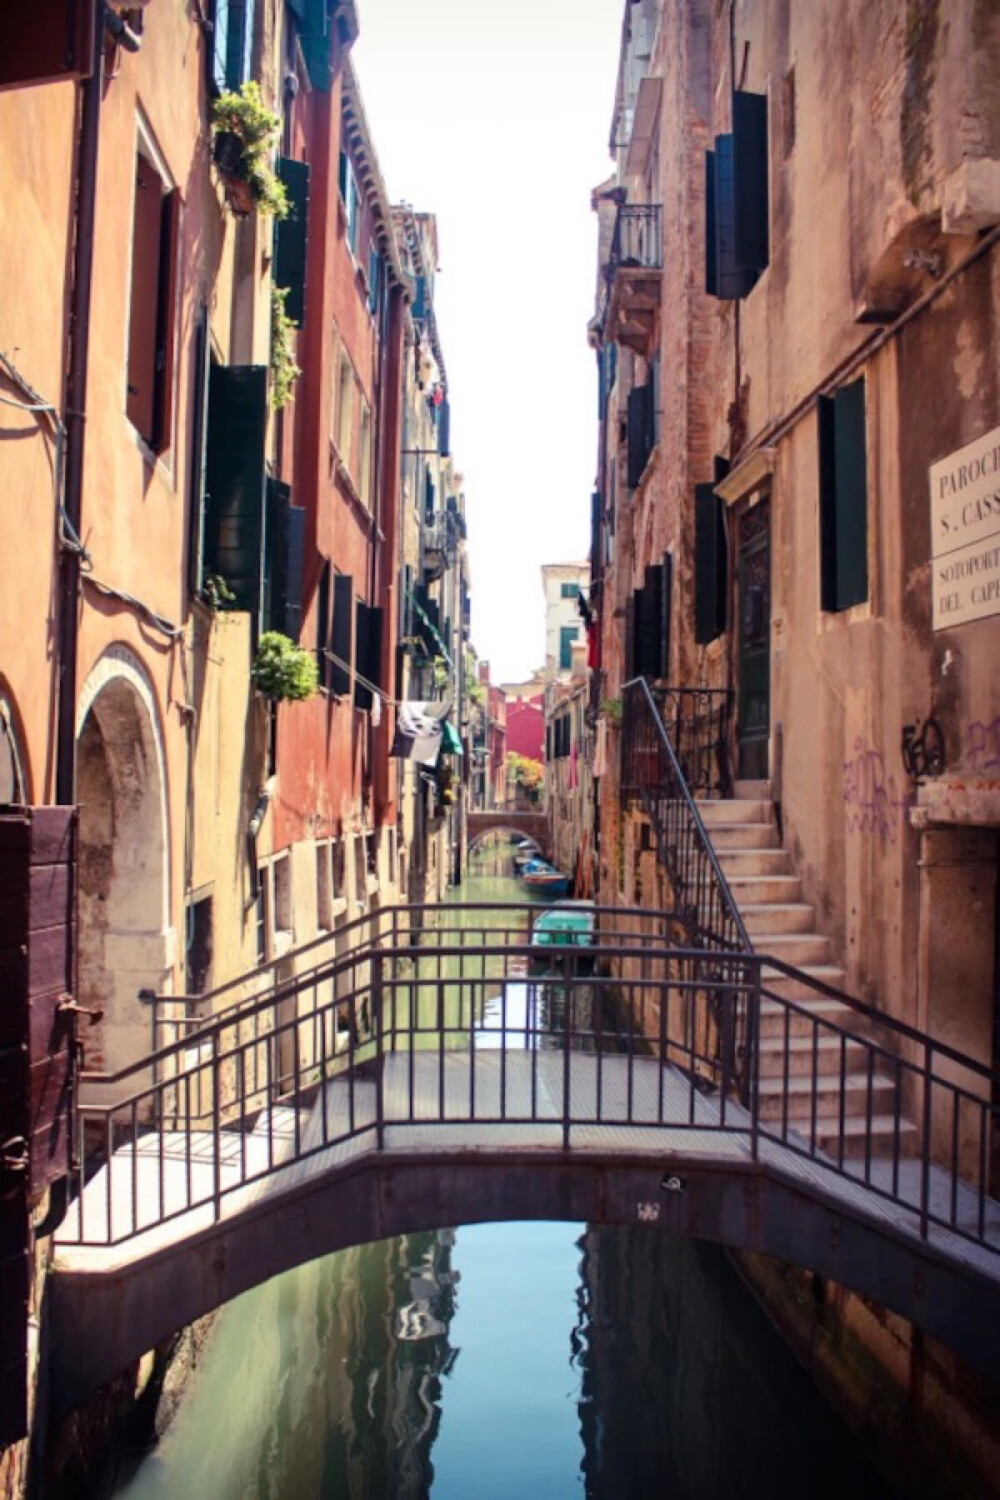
(372,687)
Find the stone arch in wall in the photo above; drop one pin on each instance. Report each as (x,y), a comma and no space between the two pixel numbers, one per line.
(125,942)
(13,761)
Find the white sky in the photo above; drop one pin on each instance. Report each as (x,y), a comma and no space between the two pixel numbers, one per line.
(494,115)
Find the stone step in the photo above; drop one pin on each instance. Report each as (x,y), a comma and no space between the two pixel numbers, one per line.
(800,1022)
(800,949)
(800,1055)
(882,1135)
(731,810)
(744,836)
(772,917)
(798,1092)
(755,890)
(752,791)
(754,862)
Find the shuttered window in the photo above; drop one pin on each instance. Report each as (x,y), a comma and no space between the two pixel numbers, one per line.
(284,550)
(315,40)
(291,238)
(843,498)
(444,429)
(234,481)
(567,635)
(152,305)
(342,634)
(199,432)
(374,279)
(710,570)
(736,202)
(42,47)
(232,43)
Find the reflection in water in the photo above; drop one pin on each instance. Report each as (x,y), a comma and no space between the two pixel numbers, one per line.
(616,1364)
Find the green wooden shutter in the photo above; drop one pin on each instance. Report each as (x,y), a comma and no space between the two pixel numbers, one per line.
(711,250)
(234,481)
(843,498)
(291,235)
(315,39)
(709,565)
(444,428)
(284,560)
(666,604)
(732,280)
(238,42)
(323,623)
(199,432)
(750,179)
(341,635)
(638,433)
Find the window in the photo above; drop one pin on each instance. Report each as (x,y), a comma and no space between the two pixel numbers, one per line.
(360,869)
(365,456)
(12,783)
(198,946)
(339,869)
(229,487)
(291,238)
(736,202)
(283,923)
(341,635)
(283,561)
(374,279)
(567,635)
(569,591)
(367,653)
(843,498)
(640,431)
(232,43)
(352,202)
(262,913)
(345,408)
(324,887)
(152,300)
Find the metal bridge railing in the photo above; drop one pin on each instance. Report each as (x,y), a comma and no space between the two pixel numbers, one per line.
(444,1023)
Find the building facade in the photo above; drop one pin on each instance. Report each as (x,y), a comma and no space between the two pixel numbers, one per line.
(562,585)
(796,540)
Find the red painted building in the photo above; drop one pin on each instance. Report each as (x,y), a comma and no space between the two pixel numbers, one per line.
(526,726)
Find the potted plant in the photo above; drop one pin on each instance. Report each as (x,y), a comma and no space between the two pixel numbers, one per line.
(282,670)
(284,370)
(245,132)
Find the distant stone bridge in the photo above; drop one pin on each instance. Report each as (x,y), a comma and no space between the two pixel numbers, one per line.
(532,825)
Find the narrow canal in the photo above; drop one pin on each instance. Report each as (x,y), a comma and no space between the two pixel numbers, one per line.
(502,1361)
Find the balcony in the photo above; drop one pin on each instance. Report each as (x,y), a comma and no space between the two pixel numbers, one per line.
(635,269)
(435,543)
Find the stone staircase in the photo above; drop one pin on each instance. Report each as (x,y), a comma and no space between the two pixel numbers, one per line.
(768,893)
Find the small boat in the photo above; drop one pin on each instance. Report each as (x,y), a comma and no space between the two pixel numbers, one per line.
(542,879)
(526,850)
(568,924)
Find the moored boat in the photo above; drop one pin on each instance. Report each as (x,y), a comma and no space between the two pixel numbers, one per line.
(543,879)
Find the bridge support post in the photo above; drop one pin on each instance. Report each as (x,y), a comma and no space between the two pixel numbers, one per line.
(378,1017)
(753,971)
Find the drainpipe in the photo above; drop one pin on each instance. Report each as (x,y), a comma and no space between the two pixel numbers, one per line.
(75,415)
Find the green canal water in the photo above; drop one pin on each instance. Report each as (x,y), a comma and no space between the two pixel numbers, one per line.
(503,1362)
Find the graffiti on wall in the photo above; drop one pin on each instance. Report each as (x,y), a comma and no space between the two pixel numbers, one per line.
(873,804)
(982,746)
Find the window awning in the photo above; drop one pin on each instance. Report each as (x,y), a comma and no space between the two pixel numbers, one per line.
(431,627)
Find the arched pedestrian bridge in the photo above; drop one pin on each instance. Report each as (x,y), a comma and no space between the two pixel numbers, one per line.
(530,825)
(426,1076)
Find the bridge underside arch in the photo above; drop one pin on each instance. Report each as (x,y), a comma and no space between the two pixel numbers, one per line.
(525,825)
(102,1320)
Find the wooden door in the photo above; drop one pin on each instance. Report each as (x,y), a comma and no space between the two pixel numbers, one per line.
(753,721)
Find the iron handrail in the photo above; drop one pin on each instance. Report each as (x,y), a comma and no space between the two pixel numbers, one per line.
(637,239)
(674,786)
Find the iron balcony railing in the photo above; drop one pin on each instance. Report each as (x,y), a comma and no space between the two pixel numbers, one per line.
(653,773)
(447,1023)
(638,236)
(698,721)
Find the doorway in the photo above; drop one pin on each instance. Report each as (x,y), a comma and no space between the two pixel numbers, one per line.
(753,712)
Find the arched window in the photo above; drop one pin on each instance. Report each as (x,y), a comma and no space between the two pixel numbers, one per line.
(12,780)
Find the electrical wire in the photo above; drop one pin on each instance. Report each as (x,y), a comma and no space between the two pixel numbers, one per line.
(150,616)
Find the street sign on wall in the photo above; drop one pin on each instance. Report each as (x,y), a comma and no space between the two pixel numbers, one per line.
(965,533)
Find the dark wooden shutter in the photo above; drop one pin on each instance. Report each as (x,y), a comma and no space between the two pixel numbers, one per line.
(750,179)
(630,671)
(843,498)
(343,175)
(666,605)
(373,670)
(374,277)
(284,552)
(239,41)
(638,433)
(234,481)
(219,51)
(291,235)
(166,322)
(732,280)
(362,618)
(444,428)
(39,46)
(548,742)
(429,494)
(709,565)
(649,606)
(419,308)
(711,248)
(199,432)
(341,636)
(323,623)
(595,534)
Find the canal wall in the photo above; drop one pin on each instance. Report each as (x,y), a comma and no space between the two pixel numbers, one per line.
(928,1420)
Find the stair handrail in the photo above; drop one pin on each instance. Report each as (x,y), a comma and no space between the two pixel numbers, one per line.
(676,786)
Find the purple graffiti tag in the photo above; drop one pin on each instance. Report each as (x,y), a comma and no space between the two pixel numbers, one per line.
(982,746)
(872,801)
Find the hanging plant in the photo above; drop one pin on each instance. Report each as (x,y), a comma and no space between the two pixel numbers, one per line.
(284,370)
(216,593)
(282,670)
(611,708)
(243,147)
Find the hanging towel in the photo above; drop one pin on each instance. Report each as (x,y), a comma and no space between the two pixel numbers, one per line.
(418,733)
(601,748)
(376,710)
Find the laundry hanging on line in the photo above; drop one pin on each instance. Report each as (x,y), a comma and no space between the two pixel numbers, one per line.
(419,732)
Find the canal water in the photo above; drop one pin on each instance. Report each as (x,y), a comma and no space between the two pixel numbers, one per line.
(503,1362)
